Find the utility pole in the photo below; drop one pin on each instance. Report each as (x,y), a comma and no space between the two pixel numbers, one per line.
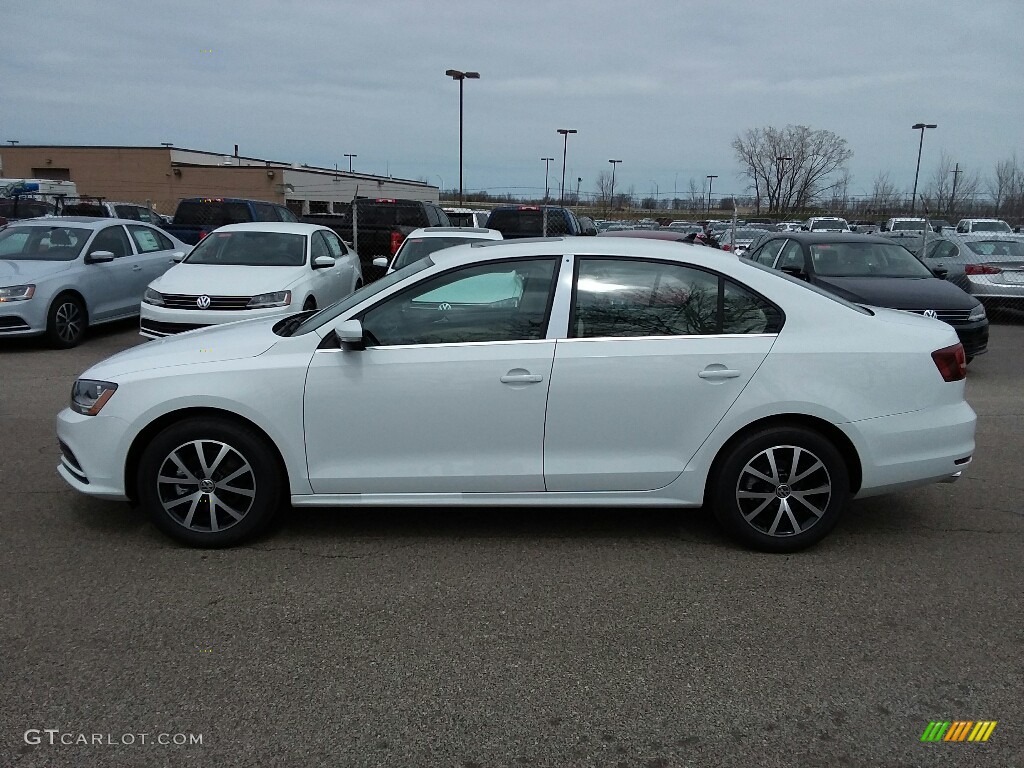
(952,197)
(711,180)
(546,161)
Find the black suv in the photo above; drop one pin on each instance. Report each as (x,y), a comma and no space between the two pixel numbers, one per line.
(516,221)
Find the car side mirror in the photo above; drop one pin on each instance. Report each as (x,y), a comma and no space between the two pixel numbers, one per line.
(940,272)
(100,257)
(324,262)
(381,262)
(796,272)
(350,334)
(178,256)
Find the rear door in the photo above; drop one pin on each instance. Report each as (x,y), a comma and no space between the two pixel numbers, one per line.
(657,354)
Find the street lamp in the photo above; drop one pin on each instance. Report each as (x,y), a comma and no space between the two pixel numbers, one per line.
(350,156)
(565,146)
(711,180)
(579,180)
(657,193)
(611,195)
(918,127)
(546,161)
(455,74)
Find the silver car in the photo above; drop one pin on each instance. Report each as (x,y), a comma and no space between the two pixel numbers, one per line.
(58,276)
(989,266)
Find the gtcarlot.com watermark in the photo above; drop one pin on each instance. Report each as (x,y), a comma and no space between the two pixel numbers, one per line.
(56,737)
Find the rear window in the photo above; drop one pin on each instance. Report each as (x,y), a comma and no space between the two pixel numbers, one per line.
(85,209)
(527,223)
(372,214)
(215,213)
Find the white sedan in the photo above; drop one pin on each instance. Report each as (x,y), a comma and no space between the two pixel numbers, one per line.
(246,271)
(571,371)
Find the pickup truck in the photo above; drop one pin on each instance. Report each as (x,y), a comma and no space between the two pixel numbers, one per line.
(196,217)
(377,227)
(516,221)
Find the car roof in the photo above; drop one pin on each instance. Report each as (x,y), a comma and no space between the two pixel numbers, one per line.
(533,247)
(286,227)
(81,222)
(832,237)
(476,233)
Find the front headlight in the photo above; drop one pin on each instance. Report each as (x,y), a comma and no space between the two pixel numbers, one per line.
(264,300)
(88,397)
(17,293)
(978,313)
(153,297)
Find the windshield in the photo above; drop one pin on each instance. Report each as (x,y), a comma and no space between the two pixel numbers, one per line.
(370,289)
(416,248)
(42,243)
(898,226)
(804,284)
(866,260)
(1013,249)
(250,249)
(990,226)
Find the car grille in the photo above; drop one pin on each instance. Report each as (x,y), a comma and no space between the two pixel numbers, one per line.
(951,316)
(224,303)
(166,329)
(12,323)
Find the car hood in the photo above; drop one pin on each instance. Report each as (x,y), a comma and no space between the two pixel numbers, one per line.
(225,280)
(899,292)
(16,271)
(231,341)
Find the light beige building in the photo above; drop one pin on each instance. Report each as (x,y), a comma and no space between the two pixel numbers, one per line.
(163,175)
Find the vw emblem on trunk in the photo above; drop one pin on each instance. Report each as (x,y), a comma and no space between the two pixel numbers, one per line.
(927,313)
(203,302)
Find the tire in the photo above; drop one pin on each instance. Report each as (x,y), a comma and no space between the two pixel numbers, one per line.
(233,498)
(66,321)
(751,497)
(308,304)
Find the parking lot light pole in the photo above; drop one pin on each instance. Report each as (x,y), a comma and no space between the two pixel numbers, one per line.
(711,180)
(611,195)
(546,161)
(565,147)
(918,127)
(350,156)
(456,74)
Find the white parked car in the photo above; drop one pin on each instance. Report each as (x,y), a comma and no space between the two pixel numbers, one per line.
(423,242)
(562,372)
(246,271)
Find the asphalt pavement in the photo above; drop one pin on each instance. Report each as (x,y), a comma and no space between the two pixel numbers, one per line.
(507,637)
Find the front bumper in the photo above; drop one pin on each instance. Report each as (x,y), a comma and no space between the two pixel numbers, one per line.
(93,452)
(23,318)
(157,322)
(974,337)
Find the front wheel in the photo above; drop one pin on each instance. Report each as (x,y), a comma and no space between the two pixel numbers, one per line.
(210,482)
(781,489)
(65,322)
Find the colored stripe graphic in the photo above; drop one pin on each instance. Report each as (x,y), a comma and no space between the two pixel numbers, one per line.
(935,730)
(959,730)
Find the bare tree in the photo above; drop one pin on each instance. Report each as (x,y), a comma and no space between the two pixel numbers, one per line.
(603,187)
(948,194)
(1004,183)
(696,193)
(791,166)
(883,193)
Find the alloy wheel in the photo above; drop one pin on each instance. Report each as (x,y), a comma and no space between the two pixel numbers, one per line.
(783,491)
(206,486)
(68,321)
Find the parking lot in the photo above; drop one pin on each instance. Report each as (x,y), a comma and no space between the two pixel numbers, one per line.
(488,637)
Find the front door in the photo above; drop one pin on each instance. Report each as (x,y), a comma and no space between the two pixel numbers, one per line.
(450,393)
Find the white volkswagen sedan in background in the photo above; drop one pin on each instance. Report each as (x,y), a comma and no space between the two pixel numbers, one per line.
(422,242)
(570,371)
(246,271)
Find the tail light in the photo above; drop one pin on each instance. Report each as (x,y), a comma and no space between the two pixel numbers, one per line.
(981,269)
(203,233)
(396,242)
(951,362)
(727,247)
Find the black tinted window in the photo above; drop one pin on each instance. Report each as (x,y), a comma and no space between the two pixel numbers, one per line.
(211,214)
(112,239)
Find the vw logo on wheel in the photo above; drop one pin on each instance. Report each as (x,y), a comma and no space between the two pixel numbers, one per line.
(931,313)
(203,302)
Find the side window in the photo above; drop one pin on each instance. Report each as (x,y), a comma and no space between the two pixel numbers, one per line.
(128,212)
(319,247)
(643,298)
(504,301)
(792,256)
(112,239)
(769,251)
(265,212)
(334,244)
(743,311)
(442,217)
(432,219)
(285,214)
(148,240)
(940,249)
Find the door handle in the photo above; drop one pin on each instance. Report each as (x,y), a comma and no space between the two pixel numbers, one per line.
(718,374)
(136,268)
(521,378)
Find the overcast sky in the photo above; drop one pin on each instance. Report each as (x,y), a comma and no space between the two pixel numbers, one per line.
(663,85)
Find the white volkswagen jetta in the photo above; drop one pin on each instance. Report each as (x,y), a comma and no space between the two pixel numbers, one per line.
(571,371)
(244,271)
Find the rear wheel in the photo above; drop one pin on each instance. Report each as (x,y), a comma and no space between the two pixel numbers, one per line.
(781,489)
(210,482)
(66,321)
